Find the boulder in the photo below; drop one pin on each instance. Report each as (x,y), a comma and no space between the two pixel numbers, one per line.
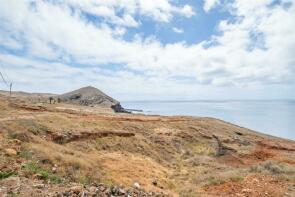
(10,152)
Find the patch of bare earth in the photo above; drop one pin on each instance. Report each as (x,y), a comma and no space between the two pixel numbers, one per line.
(254,185)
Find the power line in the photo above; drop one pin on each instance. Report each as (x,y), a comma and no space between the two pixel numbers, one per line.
(4,73)
(4,81)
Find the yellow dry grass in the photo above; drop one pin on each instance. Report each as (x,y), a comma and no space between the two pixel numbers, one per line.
(177,152)
(127,168)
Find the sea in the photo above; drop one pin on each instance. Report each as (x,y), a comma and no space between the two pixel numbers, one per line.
(273,117)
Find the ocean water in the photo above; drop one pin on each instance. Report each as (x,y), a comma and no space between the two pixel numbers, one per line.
(275,118)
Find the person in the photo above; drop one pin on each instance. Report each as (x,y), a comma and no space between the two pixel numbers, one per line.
(50,99)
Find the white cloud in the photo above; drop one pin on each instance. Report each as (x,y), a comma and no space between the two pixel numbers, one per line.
(255,49)
(163,10)
(177,30)
(186,11)
(158,10)
(210,4)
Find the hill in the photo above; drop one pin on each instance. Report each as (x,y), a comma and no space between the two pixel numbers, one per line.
(70,150)
(90,96)
(86,96)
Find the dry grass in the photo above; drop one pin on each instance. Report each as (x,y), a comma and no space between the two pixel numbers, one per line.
(282,170)
(116,167)
(178,152)
(128,168)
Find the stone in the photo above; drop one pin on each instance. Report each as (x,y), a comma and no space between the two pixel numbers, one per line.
(10,152)
(121,191)
(17,141)
(76,189)
(54,169)
(12,183)
(246,190)
(136,185)
(92,189)
(39,186)
(3,192)
(101,187)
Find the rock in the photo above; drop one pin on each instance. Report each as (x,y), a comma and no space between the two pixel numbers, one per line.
(3,191)
(101,187)
(246,190)
(38,176)
(118,108)
(93,189)
(155,183)
(121,191)
(12,183)
(54,169)
(76,189)
(136,185)
(10,152)
(39,186)
(17,141)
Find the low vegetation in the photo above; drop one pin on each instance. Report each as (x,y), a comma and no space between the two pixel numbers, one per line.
(33,168)
(4,174)
(173,155)
(283,170)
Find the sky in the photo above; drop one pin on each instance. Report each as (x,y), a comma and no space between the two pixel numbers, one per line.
(151,49)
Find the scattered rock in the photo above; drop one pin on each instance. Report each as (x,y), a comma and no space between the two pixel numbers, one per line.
(247,190)
(76,189)
(136,185)
(93,189)
(10,152)
(39,186)
(54,169)
(121,191)
(17,141)
(11,183)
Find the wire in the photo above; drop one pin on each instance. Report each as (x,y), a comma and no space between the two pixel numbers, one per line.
(4,73)
(4,80)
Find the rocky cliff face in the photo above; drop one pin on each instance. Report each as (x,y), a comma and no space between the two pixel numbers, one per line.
(90,96)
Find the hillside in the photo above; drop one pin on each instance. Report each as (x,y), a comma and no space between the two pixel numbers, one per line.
(64,149)
(86,96)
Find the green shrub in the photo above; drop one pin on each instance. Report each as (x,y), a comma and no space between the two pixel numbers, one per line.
(26,154)
(215,181)
(4,175)
(34,168)
(272,167)
(281,170)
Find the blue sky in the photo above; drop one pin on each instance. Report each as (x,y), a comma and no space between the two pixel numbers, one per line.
(142,49)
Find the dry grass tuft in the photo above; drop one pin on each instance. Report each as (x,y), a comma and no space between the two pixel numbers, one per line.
(284,171)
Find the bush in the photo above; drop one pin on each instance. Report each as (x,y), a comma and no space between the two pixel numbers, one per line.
(33,168)
(26,154)
(4,175)
(273,168)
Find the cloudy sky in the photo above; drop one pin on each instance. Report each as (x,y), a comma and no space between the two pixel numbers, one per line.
(151,49)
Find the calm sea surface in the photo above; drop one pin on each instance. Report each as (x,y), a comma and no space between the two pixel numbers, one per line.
(272,117)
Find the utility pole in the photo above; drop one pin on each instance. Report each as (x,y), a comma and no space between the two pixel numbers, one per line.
(10,87)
